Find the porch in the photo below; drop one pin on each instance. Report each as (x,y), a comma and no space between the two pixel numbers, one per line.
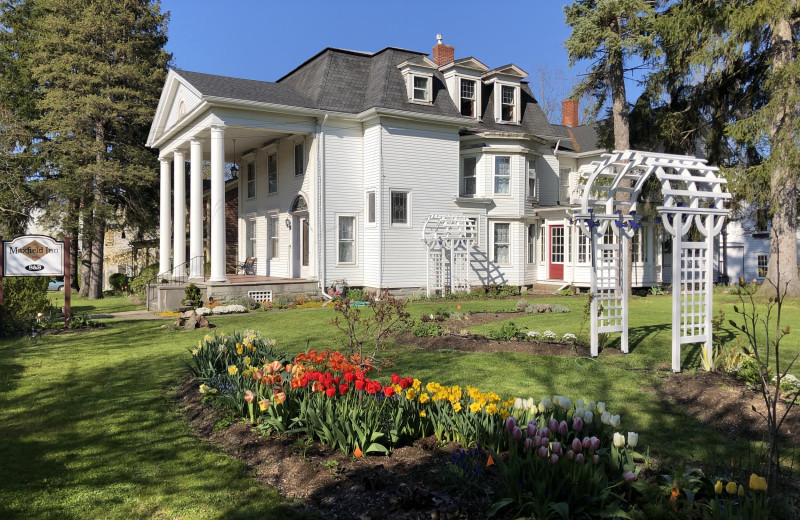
(169,296)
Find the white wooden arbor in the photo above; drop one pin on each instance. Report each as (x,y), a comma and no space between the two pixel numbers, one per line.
(449,240)
(693,194)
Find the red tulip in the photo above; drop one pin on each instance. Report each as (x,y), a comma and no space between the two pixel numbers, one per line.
(349,377)
(395,379)
(249,396)
(360,384)
(389,391)
(330,392)
(343,388)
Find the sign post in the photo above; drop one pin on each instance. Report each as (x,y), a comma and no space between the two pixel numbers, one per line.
(36,255)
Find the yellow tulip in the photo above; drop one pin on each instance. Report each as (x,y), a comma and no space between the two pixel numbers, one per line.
(718,487)
(731,488)
(758,483)
(741,490)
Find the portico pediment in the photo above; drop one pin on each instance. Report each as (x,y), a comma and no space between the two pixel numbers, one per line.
(178,99)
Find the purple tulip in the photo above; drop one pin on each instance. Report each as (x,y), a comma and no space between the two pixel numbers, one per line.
(587,442)
(543,452)
(553,458)
(556,448)
(544,433)
(537,441)
(596,459)
(577,424)
(595,443)
(563,428)
(511,423)
(571,455)
(629,476)
(553,424)
(579,458)
(576,444)
(528,444)
(532,428)
(516,433)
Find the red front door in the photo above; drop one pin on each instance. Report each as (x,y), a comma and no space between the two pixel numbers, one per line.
(556,252)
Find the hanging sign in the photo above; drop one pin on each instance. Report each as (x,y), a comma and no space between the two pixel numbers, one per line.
(33,255)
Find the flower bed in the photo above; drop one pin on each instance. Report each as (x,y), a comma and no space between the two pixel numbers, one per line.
(552,454)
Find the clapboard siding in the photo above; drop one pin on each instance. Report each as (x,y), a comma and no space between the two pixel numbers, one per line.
(190,101)
(371,235)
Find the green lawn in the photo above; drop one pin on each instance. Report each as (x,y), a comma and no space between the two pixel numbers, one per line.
(102,306)
(90,428)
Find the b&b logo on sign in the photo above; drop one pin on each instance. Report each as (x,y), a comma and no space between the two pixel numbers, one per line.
(34,267)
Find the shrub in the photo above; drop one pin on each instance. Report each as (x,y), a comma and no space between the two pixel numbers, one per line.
(24,298)
(357,294)
(192,293)
(522,305)
(426,329)
(554,307)
(246,302)
(118,281)
(139,284)
(507,332)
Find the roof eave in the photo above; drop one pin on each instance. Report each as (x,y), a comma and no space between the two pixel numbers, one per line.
(459,121)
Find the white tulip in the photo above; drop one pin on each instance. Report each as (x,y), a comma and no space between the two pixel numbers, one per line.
(633,439)
(614,421)
(580,404)
(601,407)
(519,404)
(605,417)
(619,440)
(588,416)
(579,412)
(545,404)
(592,406)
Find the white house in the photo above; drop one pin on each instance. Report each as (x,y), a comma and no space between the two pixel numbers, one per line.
(344,159)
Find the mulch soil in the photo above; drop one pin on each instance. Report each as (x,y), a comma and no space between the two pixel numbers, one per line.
(411,483)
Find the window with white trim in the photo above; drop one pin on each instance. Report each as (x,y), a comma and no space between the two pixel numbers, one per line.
(370,207)
(272,235)
(299,159)
(763,262)
(531,185)
(608,239)
(568,242)
(531,243)
(541,242)
(502,175)
(399,207)
(347,240)
(507,103)
(636,246)
(469,180)
(251,181)
(421,88)
(468,98)
(502,243)
(272,173)
(584,253)
(250,238)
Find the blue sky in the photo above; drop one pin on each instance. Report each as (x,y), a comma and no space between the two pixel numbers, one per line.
(265,39)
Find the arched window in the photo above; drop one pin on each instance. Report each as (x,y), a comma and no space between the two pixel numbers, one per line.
(299,205)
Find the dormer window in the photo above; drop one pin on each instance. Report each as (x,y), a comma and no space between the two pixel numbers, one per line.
(422,89)
(508,104)
(468,98)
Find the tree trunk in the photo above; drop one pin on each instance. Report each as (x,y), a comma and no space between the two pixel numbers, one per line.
(86,262)
(99,227)
(71,230)
(783,184)
(622,139)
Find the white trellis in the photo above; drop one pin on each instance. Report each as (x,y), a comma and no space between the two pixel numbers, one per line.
(693,194)
(449,240)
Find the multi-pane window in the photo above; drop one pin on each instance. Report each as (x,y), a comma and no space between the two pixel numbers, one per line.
(299,157)
(639,245)
(541,243)
(370,207)
(467,98)
(272,234)
(251,180)
(608,239)
(502,175)
(557,244)
(272,173)
(469,183)
(420,91)
(563,185)
(347,240)
(531,243)
(507,103)
(584,253)
(250,231)
(762,265)
(531,186)
(568,242)
(399,207)
(502,244)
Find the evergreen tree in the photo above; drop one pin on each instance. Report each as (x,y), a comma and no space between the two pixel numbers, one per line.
(99,66)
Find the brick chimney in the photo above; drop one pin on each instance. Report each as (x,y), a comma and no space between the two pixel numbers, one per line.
(443,54)
(569,112)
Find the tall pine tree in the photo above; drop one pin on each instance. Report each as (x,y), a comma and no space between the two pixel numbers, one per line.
(99,66)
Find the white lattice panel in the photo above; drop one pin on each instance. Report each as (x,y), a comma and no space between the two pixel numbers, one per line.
(693,288)
(260,296)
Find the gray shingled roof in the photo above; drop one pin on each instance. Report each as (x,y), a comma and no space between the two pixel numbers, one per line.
(582,138)
(352,82)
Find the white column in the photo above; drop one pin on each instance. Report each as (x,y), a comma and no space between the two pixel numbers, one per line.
(196,211)
(179,237)
(165,229)
(218,205)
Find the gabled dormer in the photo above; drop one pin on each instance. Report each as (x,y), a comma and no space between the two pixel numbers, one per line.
(418,75)
(463,80)
(506,82)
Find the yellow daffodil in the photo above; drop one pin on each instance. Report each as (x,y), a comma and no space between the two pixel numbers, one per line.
(475,407)
(504,414)
(424,398)
(731,488)
(239,349)
(232,370)
(194,352)
(204,388)
(491,409)
(422,413)
(411,394)
(247,360)
(718,487)
(457,407)
(416,385)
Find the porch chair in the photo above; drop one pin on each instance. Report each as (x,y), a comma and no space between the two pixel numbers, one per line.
(247,267)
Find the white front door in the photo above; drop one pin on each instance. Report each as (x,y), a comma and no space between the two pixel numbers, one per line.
(301,247)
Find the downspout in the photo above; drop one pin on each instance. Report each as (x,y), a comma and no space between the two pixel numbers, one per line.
(321,230)
(380,191)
